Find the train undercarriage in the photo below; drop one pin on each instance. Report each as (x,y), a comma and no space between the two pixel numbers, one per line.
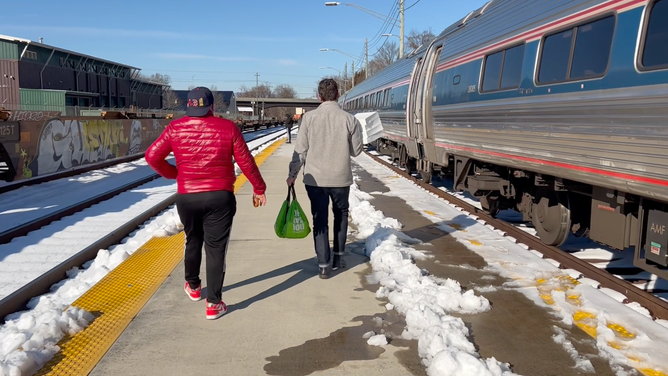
(557,208)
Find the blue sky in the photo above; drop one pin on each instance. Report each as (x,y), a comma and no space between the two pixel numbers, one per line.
(224,43)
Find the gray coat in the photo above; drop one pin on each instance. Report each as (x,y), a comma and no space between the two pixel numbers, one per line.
(328,137)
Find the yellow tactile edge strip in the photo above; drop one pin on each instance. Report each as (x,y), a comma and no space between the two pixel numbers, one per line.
(586,321)
(117,298)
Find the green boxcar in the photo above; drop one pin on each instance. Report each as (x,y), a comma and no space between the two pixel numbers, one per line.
(8,50)
(43,100)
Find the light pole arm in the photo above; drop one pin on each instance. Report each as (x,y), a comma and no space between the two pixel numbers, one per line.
(339,51)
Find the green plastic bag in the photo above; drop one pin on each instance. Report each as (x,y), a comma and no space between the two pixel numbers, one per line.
(291,222)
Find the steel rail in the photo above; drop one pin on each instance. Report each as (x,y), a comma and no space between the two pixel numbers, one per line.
(657,307)
(19,299)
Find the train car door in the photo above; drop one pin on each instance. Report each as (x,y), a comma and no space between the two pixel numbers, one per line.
(411,116)
(419,119)
(427,93)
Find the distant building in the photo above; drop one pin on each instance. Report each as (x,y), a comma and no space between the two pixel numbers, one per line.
(229,101)
(36,76)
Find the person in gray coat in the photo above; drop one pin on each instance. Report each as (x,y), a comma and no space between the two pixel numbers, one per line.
(328,138)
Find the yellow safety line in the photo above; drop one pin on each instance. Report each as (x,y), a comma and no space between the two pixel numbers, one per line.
(117,298)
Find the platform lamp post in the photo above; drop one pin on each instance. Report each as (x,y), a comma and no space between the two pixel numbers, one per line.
(392,35)
(366,57)
(340,79)
(382,17)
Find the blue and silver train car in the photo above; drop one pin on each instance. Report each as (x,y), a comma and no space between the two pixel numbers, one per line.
(555,108)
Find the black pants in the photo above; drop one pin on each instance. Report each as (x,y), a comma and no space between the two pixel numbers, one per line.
(319,197)
(207,219)
(289,134)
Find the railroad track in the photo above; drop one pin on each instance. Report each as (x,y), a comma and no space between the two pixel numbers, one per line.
(18,300)
(657,307)
(23,229)
(86,168)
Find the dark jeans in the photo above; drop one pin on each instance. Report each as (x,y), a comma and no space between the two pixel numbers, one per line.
(289,134)
(207,219)
(319,197)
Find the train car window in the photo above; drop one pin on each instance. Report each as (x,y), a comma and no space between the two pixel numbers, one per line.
(503,69)
(492,73)
(555,57)
(511,76)
(593,43)
(584,48)
(655,53)
(456,80)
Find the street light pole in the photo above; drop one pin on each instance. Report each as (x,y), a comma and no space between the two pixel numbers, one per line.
(381,17)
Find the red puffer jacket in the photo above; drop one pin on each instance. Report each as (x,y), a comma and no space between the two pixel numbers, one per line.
(203,148)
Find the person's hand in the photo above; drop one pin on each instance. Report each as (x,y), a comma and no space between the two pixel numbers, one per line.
(291,181)
(259,200)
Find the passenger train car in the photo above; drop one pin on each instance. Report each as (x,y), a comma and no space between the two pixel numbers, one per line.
(557,109)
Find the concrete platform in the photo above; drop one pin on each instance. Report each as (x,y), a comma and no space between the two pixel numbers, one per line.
(282,319)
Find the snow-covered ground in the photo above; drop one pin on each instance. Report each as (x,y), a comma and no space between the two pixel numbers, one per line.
(28,339)
(583,248)
(625,335)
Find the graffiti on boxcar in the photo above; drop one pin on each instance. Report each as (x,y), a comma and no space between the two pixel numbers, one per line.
(135,138)
(57,144)
(64,144)
(32,115)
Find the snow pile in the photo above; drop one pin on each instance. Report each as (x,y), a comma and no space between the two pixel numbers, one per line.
(377,340)
(639,343)
(28,339)
(424,300)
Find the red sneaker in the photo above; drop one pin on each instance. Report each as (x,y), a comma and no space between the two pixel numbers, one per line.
(214,311)
(194,295)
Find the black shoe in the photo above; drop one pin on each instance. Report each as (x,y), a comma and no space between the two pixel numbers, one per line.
(338,262)
(323,273)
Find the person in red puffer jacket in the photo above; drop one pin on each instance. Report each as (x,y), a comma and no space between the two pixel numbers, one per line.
(203,146)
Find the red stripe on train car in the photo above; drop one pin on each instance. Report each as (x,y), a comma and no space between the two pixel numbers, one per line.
(551,163)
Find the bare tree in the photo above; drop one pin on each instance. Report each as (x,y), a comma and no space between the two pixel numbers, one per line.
(218,99)
(260,91)
(170,101)
(284,91)
(416,39)
(385,56)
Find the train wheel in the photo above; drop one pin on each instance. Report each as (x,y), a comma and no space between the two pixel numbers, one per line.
(551,218)
(426,176)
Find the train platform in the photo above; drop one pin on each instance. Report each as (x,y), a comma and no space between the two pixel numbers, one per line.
(415,299)
(282,319)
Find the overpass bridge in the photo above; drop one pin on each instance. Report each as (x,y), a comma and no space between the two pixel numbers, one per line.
(263,103)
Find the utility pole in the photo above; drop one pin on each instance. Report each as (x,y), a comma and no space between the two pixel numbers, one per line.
(352,70)
(257,95)
(345,75)
(366,59)
(401,29)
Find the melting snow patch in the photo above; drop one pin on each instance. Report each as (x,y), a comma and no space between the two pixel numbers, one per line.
(424,300)
(581,362)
